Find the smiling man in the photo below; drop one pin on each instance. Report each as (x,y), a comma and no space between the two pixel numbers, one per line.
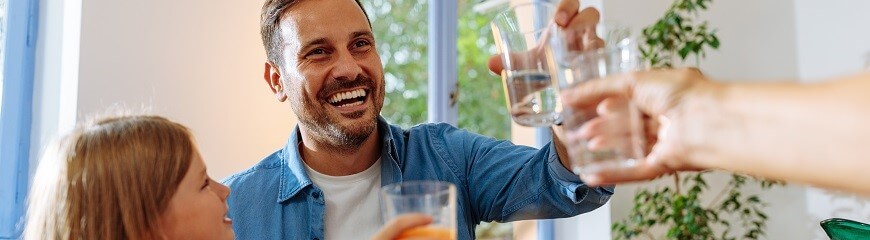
(324,183)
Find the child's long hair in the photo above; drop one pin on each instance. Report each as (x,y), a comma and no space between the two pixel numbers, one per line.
(110,178)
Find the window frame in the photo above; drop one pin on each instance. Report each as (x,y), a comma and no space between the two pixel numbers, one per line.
(443,34)
(16,115)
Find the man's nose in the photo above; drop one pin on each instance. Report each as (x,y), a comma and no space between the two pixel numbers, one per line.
(346,66)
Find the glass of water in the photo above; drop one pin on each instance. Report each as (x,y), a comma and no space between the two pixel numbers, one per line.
(521,35)
(611,134)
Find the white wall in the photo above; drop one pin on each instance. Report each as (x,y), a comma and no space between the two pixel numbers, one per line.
(198,62)
(832,36)
(757,36)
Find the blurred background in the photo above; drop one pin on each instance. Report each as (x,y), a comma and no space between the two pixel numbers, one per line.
(200,63)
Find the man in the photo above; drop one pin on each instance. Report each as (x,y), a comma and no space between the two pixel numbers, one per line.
(324,183)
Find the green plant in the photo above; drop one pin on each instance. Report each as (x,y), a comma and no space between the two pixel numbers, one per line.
(401,34)
(678,209)
(676,34)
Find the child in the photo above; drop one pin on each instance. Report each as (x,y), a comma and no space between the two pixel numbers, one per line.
(134,177)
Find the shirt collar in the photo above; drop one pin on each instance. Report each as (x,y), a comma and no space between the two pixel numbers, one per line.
(293,177)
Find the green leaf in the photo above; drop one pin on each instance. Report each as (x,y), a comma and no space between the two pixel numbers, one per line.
(714,41)
(685,51)
(753,199)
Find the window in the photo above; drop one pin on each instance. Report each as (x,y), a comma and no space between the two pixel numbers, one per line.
(482,102)
(400,29)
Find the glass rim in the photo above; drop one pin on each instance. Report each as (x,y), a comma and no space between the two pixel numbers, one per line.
(440,188)
(503,14)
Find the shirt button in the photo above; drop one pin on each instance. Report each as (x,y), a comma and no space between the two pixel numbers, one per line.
(316,238)
(315,195)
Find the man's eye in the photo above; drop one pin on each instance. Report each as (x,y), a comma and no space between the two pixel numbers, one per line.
(362,43)
(318,51)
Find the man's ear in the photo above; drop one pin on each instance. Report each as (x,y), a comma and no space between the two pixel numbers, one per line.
(272,75)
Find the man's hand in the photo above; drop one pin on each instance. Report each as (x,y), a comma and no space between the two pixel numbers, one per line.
(578,28)
(660,94)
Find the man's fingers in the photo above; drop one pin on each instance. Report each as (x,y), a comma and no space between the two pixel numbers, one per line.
(585,20)
(529,59)
(584,27)
(592,42)
(495,64)
(566,11)
(580,32)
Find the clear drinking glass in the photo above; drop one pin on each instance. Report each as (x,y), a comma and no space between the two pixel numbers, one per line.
(520,35)
(609,135)
(434,198)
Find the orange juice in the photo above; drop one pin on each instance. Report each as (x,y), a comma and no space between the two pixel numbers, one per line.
(428,232)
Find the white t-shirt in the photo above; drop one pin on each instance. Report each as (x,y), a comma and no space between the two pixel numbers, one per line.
(353,209)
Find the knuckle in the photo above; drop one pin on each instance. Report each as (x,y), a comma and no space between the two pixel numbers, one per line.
(687,73)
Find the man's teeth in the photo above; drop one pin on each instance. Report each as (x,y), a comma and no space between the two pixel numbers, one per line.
(357,103)
(347,95)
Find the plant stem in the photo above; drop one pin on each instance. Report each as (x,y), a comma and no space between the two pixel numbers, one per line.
(721,193)
(677,183)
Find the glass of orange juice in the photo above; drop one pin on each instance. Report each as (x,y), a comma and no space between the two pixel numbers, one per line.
(434,198)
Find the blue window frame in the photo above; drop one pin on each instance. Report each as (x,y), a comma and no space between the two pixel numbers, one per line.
(442,60)
(15,113)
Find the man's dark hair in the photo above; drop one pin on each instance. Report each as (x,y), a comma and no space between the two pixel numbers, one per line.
(270,20)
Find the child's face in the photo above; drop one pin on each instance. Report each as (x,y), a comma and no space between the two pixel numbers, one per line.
(199,207)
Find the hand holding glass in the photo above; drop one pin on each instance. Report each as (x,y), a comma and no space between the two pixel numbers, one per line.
(434,198)
(611,134)
(520,36)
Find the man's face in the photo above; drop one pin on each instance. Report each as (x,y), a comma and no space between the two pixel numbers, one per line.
(331,71)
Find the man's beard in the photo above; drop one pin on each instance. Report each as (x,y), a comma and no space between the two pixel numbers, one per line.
(327,128)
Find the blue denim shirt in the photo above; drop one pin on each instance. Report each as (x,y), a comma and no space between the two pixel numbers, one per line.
(495,180)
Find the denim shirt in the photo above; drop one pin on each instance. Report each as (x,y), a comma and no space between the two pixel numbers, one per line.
(495,180)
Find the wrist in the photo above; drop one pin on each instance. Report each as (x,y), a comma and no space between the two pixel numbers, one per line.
(699,121)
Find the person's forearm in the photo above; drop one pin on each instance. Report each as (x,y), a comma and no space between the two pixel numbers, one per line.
(814,134)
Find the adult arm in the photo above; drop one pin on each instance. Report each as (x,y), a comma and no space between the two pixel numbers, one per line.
(807,133)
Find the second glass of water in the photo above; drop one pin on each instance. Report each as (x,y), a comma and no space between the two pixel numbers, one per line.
(611,134)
